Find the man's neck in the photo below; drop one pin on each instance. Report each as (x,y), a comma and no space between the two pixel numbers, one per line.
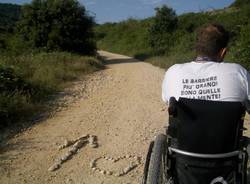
(201,59)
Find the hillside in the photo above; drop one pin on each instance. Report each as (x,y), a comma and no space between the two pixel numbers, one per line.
(240,3)
(133,37)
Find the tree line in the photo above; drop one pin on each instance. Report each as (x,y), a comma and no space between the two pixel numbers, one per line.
(48,25)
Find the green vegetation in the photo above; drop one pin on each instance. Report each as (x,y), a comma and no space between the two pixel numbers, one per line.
(42,50)
(166,39)
(242,47)
(26,81)
(161,30)
(240,3)
(9,15)
(57,25)
(129,37)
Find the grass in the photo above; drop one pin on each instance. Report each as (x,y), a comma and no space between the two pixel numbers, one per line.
(167,61)
(27,81)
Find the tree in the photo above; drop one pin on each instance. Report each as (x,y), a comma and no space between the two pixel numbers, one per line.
(164,23)
(9,15)
(57,25)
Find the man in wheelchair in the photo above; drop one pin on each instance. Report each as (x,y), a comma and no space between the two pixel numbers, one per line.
(207,100)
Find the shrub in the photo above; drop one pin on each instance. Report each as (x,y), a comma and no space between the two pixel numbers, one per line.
(57,25)
(2,44)
(9,15)
(160,33)
(10,81)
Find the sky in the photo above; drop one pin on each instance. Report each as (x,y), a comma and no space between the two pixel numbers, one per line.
(119,10)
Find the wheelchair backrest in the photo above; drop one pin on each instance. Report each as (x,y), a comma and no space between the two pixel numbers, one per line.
(208,127)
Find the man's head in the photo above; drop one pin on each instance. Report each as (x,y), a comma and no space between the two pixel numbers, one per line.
(212,40)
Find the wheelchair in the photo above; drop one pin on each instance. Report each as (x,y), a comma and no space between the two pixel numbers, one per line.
(204,144)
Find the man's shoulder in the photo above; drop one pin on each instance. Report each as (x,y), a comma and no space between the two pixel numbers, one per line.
(180,67)
(232,66)
(172,69)
(223,65)
(177,66)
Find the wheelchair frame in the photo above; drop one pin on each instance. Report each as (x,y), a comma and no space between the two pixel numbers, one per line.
(159,163)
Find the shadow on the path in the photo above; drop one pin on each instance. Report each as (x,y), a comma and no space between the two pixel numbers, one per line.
(12,151)
(19,145)
(11,130)
(143,56)
(120,61)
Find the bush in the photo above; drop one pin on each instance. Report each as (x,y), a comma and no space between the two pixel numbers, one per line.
(10,81)
(160,33)
(57,26)
(2,44)
(15,107)
(14,95)
(9,15)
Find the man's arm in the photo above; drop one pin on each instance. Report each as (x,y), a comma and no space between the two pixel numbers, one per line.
(248,84)
(165,86)
(163,95)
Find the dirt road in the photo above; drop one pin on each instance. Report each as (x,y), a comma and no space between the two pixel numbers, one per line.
(121,105)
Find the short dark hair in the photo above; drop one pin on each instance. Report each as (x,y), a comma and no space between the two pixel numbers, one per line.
(211,38)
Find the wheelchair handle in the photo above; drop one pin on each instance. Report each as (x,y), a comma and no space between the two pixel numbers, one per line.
(172,109)
(247,106)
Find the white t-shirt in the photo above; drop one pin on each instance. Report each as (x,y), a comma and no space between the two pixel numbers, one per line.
(208,81)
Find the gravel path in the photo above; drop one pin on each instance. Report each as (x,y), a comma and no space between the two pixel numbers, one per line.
(120,107)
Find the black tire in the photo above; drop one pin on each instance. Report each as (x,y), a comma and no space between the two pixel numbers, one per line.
(245,161)
(156,170)
(146,165)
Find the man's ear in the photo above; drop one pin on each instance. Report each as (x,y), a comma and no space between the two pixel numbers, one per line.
(222,54)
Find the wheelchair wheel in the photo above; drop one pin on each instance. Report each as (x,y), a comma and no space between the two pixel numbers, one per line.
(157,165)
(146,165)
